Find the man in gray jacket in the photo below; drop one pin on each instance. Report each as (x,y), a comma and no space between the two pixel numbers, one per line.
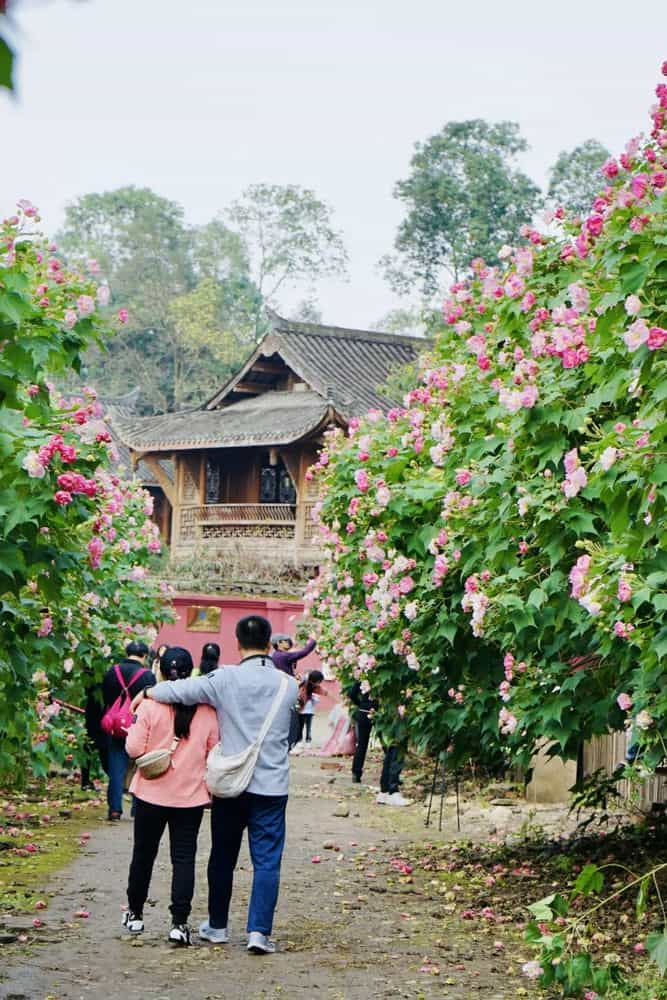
(242,696)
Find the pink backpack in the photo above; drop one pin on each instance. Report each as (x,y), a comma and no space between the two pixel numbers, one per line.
(118,717)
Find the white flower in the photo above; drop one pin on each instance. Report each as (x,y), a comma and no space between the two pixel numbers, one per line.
(533,970)
(412,661)
(523,505)
(33,466)
(383,496)
(437,454)
(592,606)
(607,458)
(411,610)
(643,720)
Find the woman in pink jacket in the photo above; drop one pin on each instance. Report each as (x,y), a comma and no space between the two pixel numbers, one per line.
(175,799)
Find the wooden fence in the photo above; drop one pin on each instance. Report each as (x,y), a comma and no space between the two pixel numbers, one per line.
(607,752)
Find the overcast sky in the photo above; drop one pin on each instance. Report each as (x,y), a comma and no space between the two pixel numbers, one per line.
(199,99)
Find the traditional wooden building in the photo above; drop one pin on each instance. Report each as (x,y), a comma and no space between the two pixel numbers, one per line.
(233,471)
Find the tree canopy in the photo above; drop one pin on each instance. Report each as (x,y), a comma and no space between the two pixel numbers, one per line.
(289,237)
(194,295)
(575,178)
(464,198)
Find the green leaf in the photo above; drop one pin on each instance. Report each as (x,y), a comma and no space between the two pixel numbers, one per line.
(660,644)
(642,897)
(447,630)
(633,277)
(589,880)
(14,307)
(542,909)
(6,65)
(659,474)
(537,597)
(656,945)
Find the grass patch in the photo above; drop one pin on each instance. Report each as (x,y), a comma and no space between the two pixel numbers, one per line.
(41,831)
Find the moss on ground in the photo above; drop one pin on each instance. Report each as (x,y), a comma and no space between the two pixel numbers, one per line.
(41,830)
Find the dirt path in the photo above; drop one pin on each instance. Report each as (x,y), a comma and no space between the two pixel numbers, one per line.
(346,927)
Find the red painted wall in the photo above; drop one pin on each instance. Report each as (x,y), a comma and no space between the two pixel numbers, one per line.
(283,615)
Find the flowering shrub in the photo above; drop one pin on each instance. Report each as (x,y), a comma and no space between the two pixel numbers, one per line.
(495,561)
(75,541)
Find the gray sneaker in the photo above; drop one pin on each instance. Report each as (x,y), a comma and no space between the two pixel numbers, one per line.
(216,935)
(259,944)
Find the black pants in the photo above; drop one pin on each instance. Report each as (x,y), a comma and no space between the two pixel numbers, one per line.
(294,728)
(305,722)
(149,823)
(364,726)
(392,766)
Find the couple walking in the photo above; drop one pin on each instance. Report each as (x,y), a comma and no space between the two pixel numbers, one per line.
(189,716)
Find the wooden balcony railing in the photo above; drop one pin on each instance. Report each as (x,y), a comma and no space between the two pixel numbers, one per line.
(236,520)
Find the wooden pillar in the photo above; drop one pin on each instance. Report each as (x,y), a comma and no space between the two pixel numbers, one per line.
(202,477)
(301,494)
(177,504)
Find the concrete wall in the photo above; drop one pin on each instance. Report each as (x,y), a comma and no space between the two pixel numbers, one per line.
(552,779)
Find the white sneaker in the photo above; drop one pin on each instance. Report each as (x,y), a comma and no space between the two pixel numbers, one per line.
(396,799)
(132,923)
(259,944)
(216,935)
(382,798)
(180,934)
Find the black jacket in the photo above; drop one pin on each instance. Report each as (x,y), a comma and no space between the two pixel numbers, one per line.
(361,700)
(111,688)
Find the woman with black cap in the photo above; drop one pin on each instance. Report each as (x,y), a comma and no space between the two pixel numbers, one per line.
(176,798)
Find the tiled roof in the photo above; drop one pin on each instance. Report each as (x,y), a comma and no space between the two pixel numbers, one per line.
(269,419)
(345,366)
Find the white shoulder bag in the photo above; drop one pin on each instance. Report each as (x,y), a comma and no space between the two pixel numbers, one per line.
(228,775)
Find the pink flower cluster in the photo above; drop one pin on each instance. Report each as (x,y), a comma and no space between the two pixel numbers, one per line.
(95,549)
(622,629)
(440,568)
(476,603)
(72,483)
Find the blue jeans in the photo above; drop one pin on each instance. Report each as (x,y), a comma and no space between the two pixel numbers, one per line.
(118,762)
(264,816)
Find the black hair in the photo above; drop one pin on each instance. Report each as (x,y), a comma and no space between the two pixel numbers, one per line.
(210,658)
(315,677)
(253,632)
(136,648)
(176,664)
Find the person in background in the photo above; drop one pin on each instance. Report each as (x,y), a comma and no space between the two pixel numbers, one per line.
(96,738)
(390,779)
(284,656)
(156,659)
(210,658)
(309,689)
(243,696)
(133,666)
(175,799)
(363,708)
